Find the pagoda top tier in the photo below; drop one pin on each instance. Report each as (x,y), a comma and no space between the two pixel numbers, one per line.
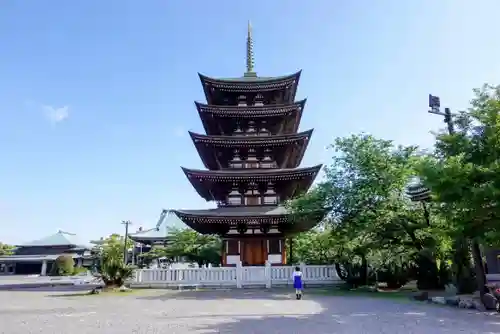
(273,90)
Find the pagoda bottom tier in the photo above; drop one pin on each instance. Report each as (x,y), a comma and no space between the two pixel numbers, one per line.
(253,251)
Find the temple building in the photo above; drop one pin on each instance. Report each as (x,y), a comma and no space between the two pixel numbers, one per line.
(38,256)
(145,239)
(252,151)
(157,235)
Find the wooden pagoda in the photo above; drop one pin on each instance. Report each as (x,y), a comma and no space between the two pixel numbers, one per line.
(252,151)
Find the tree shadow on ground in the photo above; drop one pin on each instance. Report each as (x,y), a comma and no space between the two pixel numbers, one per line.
(289,321)
(321,314)
(276,324)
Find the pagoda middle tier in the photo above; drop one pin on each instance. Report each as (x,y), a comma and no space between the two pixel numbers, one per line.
(276,119)
(251,186)
(260,151)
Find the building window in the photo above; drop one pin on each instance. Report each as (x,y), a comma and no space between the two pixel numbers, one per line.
(234,200)
(252,200)
(252,165)
(270,200)
(267,164)
(242,100)
(236,165)
(274,246)
(232,247)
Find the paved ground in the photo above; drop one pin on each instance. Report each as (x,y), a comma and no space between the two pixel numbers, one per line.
(18,282)
(237,311)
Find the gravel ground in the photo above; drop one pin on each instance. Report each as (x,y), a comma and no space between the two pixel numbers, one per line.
(237,311)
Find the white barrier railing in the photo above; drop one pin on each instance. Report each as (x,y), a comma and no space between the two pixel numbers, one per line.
(238,276)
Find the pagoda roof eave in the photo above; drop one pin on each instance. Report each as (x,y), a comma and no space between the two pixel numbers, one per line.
(250,111)
(210,113)
(203,180)
(237,141)
(245,80)
(251,84)
(218,220)
(243,174)
(203,220)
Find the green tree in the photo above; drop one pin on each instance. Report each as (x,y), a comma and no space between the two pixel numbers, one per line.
(156,252)
(193,246)
(364,199)
(315,247)
(113,247)
(6,249)
(112,269)
(464,174)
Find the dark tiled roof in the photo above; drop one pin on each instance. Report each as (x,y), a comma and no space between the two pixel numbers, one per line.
(253,173)
(251,140)
(251,79)
(239,211)
(253,111)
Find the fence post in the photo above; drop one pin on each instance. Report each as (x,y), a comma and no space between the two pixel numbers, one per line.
(239,272)
(139,276)
(268,275)
(303,269)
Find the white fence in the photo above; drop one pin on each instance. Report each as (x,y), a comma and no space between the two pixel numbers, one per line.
(235,277)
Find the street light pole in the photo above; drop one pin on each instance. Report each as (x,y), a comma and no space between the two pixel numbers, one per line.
(125,249)
(461,254)
(435,105)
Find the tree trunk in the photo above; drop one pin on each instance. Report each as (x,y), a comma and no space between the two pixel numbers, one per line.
(364,270)
(462,275)
(479,268)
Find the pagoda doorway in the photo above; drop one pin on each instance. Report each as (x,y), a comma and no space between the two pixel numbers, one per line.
(253,252)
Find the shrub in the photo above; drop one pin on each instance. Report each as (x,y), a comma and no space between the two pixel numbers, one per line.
(63,266)
(394,276)
(114,274)
(427,272)
(444,274)
(79,270)
(355,274)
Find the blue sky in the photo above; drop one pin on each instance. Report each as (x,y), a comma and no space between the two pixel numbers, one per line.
(96,97)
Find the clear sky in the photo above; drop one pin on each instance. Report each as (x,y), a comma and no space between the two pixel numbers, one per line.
(96,97)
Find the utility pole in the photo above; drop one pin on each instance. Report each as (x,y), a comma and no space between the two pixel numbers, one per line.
(125,249)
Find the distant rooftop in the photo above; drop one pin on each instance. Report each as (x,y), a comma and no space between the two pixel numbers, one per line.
(60,238)
(167,222)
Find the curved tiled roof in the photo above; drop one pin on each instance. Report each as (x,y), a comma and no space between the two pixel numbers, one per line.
(60,238)
(251,111)
(260,141)
(161,230)
(246,80)
(254,174)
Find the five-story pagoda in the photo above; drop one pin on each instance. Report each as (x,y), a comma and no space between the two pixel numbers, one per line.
(252,151)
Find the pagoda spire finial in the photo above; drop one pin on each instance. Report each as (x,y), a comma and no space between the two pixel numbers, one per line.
(250,59)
